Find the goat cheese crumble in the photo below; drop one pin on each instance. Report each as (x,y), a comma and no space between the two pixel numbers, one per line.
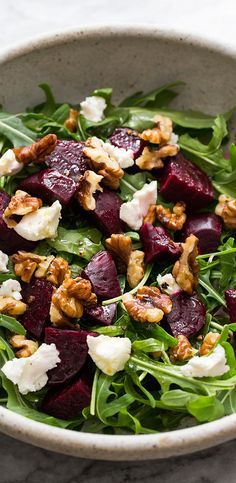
(207,366)
(124,157)
(93,108)
(174,139)
(40,224)
(11,288)
(110,354)
(168,284)
(3,262)
(30,373)
(9,164)
(133,212)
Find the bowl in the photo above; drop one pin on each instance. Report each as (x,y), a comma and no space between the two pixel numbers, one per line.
(127,59)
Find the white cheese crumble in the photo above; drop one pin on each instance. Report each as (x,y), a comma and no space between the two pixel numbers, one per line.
(30,373)
(11,288)
(110,354)
(135,210)
(174,139)
(9,164)
(40,224)
(93,108)
(168,284)
(207,366)
(124,157)
(3,262)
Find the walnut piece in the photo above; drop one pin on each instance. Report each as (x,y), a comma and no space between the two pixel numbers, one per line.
(26,347)
(71,122)
(149,159)
(57,270)
(151,215)
(208,343)
(226,209)
(149,305)
(182,351)
(27,264)
(20,204)
(172,220)
(135,270)
(11,306)
(59,319)
(88,186)
(103,164)
(159,134)
(38,151)
(120,247)
(185,270)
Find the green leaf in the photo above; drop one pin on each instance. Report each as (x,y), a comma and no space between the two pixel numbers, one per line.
(149,345)
(225,182)
(12,324)
(14,130)
(206,408)
(130,183)
(49,106)
(83,242)
(159,97)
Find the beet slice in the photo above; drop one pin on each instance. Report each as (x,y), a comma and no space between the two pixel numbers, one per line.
(207,227)
(107,212)
(187,316)
(158,244)
(101,271)
(230,297)
(99,314)
(10,241)
(50,185)
(67,403)
(37,295)
(73,351)
(127,139)
(184,181)
(68,158)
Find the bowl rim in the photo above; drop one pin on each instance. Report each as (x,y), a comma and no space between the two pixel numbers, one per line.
(100,446)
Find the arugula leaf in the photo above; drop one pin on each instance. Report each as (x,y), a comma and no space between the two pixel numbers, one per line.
(130,183)
(149,345)
(12,324)
(83,242)
(159,97)
(225,182)
(12,127)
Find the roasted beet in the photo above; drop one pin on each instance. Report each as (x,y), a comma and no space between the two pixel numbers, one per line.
(99,314)
(50,185)
(37,295)
(10,241)
(184,181)
(187,316)
(127,139)
(101,271)
(73,350)
(107,212)
(158,244)
(67,403)
(230,297)
(68,159)
(207,227)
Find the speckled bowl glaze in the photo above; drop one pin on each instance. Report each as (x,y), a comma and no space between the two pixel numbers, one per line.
(127,59)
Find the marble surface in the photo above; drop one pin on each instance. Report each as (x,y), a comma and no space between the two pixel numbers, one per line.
(22,20)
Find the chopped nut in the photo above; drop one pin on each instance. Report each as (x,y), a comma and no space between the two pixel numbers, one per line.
(104,165)
(38,151)
(43,266)
(72,122)
(151,215)
(26,347)
(135,270)
(120,247)
(57,270)
(21,204)
(183,351)
(88,186)
(79,287)
(175,220)
(149,159)
(161,133)
(208,343)
(149,305)
(59,319)
(27,264)
(11,306)
(70,306)
(185,270)
(226,209)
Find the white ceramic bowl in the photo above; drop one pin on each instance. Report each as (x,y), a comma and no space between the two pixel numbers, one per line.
(127,59)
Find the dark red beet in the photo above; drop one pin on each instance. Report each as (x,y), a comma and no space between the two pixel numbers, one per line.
(207,227)
(187,316)
(67,403)
(184,181)
(107,212)
(50,185)
(68,159)
(10,241)
(73,350)
(101,271)
(158,244)
(126,139)
(37,295)
(230,297)
(99,314)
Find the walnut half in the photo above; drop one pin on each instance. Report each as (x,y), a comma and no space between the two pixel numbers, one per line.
(26,347)
(149,305)
(185,270)
(208,343)
(182,351)
(38,151)
(172,220)
(226,209)
(20,204)
(27,264)
(10,306)
(135,269)
(159,134)
(88,186)
(120,247)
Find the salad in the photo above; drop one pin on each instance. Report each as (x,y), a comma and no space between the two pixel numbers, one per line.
(117,263)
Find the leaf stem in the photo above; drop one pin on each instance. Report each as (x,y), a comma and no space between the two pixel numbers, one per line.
(216,254)
(212,292)
(134,290)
